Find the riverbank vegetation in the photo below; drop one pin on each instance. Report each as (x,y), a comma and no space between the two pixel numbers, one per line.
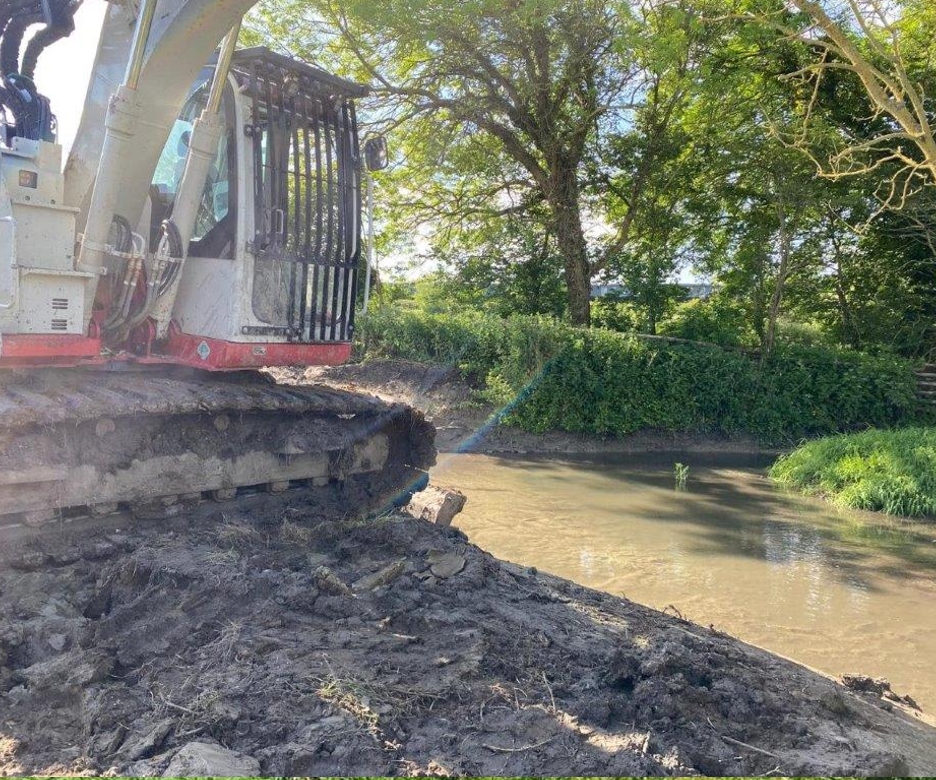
(884,471)
(544,374)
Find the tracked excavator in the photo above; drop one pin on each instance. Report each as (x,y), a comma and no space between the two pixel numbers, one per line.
(206,225)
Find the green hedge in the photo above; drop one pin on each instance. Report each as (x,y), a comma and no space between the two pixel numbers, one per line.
(884,471)
(547,375)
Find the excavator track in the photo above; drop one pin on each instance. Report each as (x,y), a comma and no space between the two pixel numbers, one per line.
(75,445)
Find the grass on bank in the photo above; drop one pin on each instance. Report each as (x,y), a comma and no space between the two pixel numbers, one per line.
(883,471)
(546,375)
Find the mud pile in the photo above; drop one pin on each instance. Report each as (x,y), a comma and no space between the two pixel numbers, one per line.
(312,645)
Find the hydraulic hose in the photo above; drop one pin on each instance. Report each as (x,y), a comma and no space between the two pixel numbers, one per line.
(162,274)
(13,40)
(61,26)
(12,9)
(174,239)
(124,281)
(31,112)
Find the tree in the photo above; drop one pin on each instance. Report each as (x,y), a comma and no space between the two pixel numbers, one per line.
(878,243)
(887,47)
(502,106)
(755,201)
(649,168)
(513,269)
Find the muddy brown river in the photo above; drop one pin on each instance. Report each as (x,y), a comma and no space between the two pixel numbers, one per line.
(836,590)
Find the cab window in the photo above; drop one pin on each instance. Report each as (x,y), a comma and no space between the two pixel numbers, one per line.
(214,234)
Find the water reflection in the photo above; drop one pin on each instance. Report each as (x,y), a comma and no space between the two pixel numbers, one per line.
(840,591)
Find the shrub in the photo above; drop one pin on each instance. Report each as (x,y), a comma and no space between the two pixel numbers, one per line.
(885,471)
(548,375)
(438,292)
(613,314)
(714,320)
(802,333)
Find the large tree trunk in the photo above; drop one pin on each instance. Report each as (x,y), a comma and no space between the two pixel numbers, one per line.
(577,278)
(567,220)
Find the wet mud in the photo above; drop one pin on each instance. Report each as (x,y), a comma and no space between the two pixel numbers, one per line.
(311,643)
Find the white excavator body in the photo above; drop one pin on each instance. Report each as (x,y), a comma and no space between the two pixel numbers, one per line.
(251,168)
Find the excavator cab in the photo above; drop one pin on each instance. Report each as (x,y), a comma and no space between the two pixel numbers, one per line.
(273,258)
(254,262)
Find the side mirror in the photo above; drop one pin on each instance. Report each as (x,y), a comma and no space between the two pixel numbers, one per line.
(376,155)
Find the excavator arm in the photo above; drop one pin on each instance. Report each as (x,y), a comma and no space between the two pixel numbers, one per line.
(183,35)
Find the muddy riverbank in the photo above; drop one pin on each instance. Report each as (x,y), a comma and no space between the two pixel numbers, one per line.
(464,424)
(307,645)
(839,590)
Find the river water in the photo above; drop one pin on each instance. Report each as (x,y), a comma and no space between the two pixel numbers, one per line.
(836,590)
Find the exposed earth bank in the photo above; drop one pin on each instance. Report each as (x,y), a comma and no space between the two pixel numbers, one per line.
(463,422)
(284,642)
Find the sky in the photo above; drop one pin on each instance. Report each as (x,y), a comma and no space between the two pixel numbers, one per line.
(64,69)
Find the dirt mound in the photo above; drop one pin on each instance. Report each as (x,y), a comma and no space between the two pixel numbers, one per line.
(323,647)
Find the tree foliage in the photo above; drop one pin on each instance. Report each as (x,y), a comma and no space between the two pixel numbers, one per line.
(781,149)
(555,111)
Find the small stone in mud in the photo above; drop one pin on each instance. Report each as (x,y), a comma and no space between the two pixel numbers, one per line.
(383,576)
(202,759)
(329,582)
(146,744)
(436,504)
(108,742)
(57,642)
(444,565)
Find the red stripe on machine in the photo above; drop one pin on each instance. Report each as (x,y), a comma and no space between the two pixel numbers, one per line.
(218,355)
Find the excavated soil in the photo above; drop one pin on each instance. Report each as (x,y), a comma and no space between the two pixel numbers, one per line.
(325,646)
(464,423)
